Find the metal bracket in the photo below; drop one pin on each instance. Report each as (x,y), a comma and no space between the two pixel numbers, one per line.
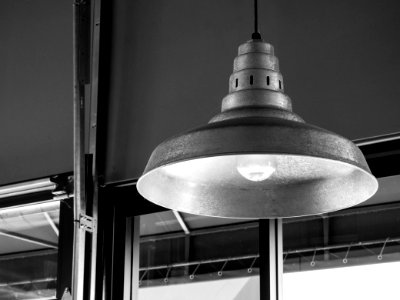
(166,276)
(87,223)
(312,263)
(222,269)
(64,186)
(380,256)
(141,278)
(345,260)
(250,269)
(191,277)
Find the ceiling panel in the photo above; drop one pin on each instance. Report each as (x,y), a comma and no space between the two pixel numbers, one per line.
(35,89)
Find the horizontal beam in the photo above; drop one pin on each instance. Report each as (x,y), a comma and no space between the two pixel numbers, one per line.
(352,211)
(285,253)
(202,231)
(27,254)
(29,209)
(198,262)
(24,282)
(254,224)
(23,188)
(28,239)
(377,139)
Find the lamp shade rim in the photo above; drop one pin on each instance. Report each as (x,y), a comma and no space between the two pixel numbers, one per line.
(355,189)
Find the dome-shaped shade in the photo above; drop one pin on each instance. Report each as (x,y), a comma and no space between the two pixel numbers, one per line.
(293,169)
(257,159)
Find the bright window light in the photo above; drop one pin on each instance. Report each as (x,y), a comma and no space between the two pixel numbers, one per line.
(368,282)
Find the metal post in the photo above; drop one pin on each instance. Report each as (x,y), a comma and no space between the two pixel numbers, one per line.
(80,47)
(131,267)
(93,142)
(271,259)
(325,228)
(128,259)
(65,248)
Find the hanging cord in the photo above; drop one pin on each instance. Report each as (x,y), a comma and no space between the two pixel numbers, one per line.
(256,34)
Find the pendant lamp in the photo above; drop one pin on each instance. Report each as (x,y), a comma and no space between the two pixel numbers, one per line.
(257,159)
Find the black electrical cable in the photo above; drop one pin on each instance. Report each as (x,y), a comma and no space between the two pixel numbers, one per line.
(256,34)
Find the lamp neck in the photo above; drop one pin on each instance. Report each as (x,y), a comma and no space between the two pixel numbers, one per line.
(256,85)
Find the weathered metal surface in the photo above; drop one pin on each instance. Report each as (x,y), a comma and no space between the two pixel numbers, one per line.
(316,171)
(256,135)
(248,98)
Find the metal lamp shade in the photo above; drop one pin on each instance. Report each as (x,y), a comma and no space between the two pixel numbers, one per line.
(298,169)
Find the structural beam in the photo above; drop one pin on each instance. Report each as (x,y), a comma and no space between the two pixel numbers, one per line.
(81,50)
(28,187)
(181,221)
(26,282)
(377,139)
(131,266)
(51,223)
(271,259)
(28,239)
(93,143)
(343,246)
(36,208)
(249,225)
(29,254)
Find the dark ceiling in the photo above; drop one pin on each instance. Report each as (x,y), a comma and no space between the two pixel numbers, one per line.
(171,61)
(170,64)
(35,89)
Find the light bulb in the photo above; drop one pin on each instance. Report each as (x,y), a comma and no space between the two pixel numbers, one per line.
(255,167)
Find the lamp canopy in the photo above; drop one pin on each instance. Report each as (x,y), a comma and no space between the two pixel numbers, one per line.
(257,159)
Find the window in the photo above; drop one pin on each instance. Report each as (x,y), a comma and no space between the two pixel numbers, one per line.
(342,255)
(210,256)
(28,251)
(367,282)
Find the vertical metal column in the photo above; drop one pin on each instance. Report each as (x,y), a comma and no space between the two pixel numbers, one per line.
(64,266)
(325,228)
(94,292)
(271,259)
(81,51)
(78,264)
(131,268)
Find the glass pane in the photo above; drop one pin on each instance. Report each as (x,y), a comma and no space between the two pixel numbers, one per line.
(158,223)
(350,254)
(213,260)
(369,282)
(246,288)
(335,251)
(28,251)
(196,222)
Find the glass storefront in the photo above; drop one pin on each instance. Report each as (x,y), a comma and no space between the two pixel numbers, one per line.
(343,255)
(29,251)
